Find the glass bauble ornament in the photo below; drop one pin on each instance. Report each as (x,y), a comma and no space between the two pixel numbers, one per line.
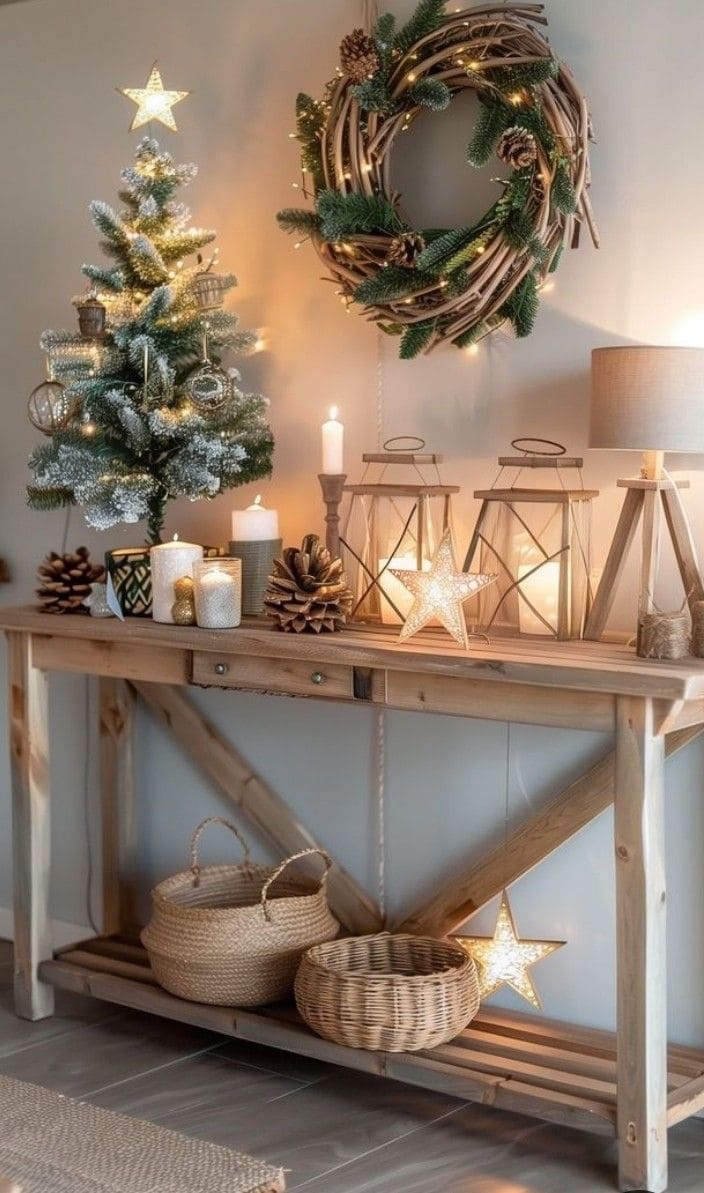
(48,407)
(209,388)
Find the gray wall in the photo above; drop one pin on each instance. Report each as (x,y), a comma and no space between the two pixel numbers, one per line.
(63,141)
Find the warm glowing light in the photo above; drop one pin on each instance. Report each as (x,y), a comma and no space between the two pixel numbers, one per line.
(411,76)
(505,960)
(689,330)
(333,413)
(516,98)
(473,350)
(259,344)
(89,429)
(366,168)
(440,593)
(298,244)
(475,65)
(153,102)
(547,287)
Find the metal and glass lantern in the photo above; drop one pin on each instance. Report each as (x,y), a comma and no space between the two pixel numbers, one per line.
(396,517)
(538,540)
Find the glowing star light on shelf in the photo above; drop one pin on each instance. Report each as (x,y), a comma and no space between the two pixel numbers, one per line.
(440,593)
(153,102)
(505,960)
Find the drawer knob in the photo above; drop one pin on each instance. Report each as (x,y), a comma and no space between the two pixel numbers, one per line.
(221,668)
(317,677)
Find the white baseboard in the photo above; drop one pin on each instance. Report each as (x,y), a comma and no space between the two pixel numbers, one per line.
(63,933)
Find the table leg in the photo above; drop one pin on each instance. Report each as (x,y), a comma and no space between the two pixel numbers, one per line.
(641,912)
(118,830)
(29,751)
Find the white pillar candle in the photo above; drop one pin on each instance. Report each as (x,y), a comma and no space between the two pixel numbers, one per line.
(169,562)
(401,597)
(333,445)
(542,589)
(255,524)
(218,592)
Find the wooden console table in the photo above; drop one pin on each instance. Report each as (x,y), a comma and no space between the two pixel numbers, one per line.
(629,1085)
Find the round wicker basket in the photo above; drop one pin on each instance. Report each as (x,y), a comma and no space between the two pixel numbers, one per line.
(391,992)
(234,935)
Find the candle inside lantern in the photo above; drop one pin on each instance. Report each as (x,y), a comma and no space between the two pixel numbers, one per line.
(542,588)
(393,588)
(170,561)
(255,524)
(218,592)
(333,433)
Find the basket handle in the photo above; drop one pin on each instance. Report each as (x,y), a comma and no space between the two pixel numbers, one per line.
(195,839)
(280,869)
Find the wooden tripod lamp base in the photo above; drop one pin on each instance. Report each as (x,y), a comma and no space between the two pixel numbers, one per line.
(641,396)
(645,498)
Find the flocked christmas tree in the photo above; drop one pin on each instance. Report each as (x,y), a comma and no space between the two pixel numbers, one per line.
(139,409)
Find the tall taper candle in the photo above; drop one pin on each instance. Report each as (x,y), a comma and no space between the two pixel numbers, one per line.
(333,445)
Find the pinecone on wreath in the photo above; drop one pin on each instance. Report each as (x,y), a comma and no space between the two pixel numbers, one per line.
(308,590)
(65,581)
(404,249)
(359,57)
(517,147)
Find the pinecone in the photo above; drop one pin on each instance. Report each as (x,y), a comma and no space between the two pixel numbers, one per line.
(308,590)
(65,580)
(517,147)
(404,249)
(359,57)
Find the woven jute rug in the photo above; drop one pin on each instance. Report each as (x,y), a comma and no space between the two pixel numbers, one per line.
(53,1144)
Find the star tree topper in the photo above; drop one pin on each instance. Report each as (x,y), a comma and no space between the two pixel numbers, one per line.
(505,960)
(440,593)
(153,102)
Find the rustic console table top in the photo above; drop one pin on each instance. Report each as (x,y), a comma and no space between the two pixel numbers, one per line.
(628,1084)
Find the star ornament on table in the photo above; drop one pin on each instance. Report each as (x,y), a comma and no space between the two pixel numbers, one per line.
(440,593)
(505,960)
(153,102)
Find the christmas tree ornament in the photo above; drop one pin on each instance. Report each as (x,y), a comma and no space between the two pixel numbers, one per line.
(183,610)
(48,407)
(153,102)
(209,388)
(91,316)
(209,290)
(308,590)
(97,601)
(359,56)
(517,148)
(65,580)
(471,280)
(405,249)
(439,593)
(504,959)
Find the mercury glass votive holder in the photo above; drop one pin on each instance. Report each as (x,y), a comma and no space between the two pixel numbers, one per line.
(218,593)
(257,563)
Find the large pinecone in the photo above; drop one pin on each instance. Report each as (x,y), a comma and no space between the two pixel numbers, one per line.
(517,147)
(308,590)
(65,580)
(359,57)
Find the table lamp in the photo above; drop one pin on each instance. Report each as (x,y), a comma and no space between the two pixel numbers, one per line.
(651,400)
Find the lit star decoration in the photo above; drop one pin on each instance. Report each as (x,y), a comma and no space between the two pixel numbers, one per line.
(440,593)
(153,102)
(505,960)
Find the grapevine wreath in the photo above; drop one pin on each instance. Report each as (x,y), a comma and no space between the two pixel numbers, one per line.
(429,286)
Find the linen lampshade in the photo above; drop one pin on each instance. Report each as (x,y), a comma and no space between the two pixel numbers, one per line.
(648,399)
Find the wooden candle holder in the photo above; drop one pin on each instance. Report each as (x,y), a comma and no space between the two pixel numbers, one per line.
(332,486)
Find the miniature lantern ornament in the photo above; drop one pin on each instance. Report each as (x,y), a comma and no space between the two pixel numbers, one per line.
(91,316)
(539,542)
(209,290)
(397,516)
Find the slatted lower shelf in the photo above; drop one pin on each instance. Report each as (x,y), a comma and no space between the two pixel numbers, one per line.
(546,1069)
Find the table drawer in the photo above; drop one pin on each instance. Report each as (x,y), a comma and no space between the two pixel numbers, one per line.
(285,677)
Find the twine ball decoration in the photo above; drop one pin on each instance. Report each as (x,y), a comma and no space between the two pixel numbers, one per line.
(48,407)
(663,635)
(465,282)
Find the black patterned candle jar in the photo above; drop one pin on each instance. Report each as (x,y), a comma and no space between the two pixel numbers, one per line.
(130,571)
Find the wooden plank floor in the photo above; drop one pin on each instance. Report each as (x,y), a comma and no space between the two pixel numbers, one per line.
(336,1131)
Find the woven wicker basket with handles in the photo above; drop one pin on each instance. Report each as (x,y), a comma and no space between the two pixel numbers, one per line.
(396,993)
(234,935)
